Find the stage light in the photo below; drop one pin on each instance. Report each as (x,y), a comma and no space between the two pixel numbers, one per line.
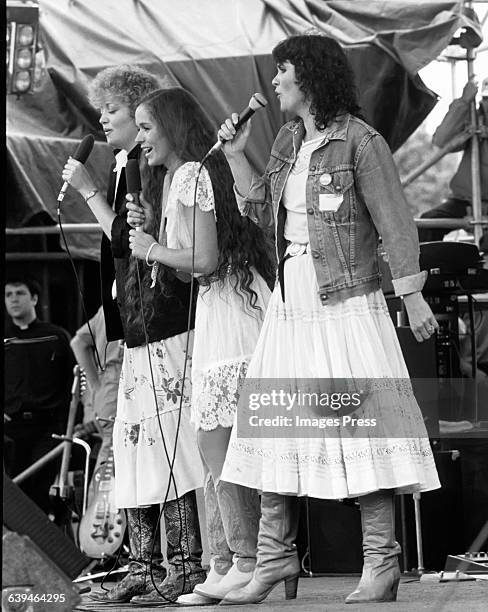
(22,25)
(26,35)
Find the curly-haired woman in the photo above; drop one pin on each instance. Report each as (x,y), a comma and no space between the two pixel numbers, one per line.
(148,423)
(233,265)
(331,189)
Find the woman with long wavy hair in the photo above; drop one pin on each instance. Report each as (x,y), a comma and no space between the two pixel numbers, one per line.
(153,408)
(233,264)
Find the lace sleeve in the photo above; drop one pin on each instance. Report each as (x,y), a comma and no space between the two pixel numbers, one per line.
(185,187)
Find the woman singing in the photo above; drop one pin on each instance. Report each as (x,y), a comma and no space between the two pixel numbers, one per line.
(153,321)
(233,265)
(331,189)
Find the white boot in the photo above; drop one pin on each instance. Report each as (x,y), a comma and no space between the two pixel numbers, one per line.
(238,576)
(196,599)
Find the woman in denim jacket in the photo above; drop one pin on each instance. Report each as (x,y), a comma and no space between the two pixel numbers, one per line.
(331,189)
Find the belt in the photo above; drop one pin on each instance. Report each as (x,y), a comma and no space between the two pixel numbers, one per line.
(292,250)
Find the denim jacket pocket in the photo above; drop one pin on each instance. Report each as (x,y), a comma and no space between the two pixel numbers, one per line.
(337,204)
(276,180)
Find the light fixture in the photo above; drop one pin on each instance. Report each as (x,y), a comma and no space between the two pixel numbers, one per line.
(22,26)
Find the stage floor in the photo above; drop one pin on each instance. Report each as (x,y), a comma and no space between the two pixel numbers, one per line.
(326,594)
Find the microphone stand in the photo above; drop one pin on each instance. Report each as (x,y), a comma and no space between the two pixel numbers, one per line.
(63,491)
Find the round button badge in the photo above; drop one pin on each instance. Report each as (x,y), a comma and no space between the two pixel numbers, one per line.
(325,179)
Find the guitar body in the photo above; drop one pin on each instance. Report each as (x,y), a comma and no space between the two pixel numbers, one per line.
(103,524)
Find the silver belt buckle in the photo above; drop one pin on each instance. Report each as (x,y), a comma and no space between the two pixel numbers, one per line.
(295,249)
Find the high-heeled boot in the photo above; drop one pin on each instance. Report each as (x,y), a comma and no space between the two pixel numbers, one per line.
(184,552)
(381,572)
(240,511)
(141,526)
(277,558)
(220,553)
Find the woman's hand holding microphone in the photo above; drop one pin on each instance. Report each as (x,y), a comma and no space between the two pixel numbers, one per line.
(140,217)
(234,142)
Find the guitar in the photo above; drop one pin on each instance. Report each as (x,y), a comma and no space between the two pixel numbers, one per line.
(103,525)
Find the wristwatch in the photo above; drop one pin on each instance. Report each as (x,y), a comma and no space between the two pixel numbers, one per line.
(90,194)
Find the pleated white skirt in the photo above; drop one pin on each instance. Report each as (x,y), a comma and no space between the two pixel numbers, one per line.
(355,338)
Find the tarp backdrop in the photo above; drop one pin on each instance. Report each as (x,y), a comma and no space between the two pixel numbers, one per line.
(220,51)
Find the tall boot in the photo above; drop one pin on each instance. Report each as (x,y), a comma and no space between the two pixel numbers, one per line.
(381,572)
(184,552)
(220,553)
(277,557)
(240,511)
(141,527)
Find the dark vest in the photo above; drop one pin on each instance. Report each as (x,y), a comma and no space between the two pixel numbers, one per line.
(170,313)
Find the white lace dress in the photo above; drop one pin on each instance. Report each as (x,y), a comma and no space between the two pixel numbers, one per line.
(226,331)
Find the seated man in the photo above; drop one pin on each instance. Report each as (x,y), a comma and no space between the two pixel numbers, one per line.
(456,121)
(38,378)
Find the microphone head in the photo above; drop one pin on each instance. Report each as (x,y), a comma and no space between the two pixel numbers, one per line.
(133,176)
(84,149)
(257,101)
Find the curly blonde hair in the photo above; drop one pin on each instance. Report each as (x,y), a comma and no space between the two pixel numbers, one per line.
(127,83)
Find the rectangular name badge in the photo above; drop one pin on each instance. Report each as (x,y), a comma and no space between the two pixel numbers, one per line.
(330,202)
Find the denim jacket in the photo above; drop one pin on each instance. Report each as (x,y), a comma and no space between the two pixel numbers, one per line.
(356,164)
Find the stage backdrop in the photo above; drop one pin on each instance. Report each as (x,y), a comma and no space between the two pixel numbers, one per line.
(220,51)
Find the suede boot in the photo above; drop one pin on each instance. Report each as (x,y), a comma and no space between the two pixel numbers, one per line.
(141,526)
(381,572)
(184,552)
(277,558)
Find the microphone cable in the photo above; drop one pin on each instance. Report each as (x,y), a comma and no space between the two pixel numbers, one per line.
(80,290)
(171,479)
(81,154)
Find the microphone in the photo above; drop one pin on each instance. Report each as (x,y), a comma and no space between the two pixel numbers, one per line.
(81,154)
(256,102)
(133,182)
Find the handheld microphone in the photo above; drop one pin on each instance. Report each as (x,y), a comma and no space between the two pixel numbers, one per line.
(256,102)
(133,182)
(81,154)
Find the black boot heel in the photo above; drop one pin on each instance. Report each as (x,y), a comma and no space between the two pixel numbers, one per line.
(291,587)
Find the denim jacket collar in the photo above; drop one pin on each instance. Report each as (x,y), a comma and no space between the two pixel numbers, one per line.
(337,130)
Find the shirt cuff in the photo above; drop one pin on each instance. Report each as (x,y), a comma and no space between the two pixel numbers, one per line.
(409,284)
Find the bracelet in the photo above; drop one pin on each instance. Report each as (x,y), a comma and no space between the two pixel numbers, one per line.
(151,265)
(90,194)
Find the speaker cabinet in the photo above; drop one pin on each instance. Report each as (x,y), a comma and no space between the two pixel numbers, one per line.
(23,516)
(329,537)
(28,571)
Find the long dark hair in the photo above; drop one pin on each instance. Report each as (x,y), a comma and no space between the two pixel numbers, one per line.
(242,245)
(323,74)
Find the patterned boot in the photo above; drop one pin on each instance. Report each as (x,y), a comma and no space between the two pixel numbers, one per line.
(184,553)
(141,526)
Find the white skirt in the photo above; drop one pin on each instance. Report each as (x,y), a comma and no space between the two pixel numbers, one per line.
(144,438)
(354,338)
(226,332)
